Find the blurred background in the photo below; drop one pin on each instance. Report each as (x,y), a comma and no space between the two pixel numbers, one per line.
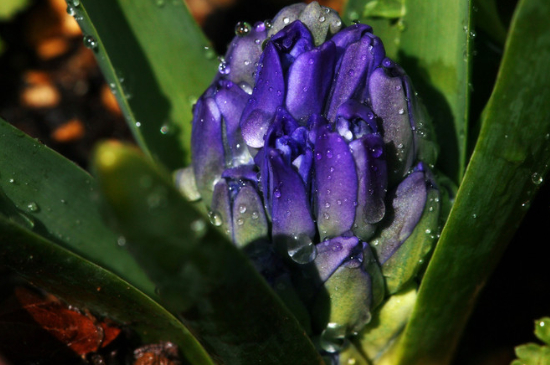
(52,89)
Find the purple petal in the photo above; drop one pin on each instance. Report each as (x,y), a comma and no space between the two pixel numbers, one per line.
(390,104)
(336,184)
(354,110)
(350,75)
(291,42)
(220,211)
(309,80)
(408,202)
(231,101)
(349,35)
(290,209)
(267,96)
(243,54)
(208,158)
(372,183)
(331,255)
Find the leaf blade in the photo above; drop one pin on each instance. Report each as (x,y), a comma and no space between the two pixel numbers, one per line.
(205,279)
(56,198)
(148,52)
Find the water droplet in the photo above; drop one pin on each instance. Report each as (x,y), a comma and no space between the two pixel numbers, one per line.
(301,249)
(199,227)
(276,193)
(537,178)
(160,3)
(401,111)
(242,29)
(209,53)
(32,207)
(71,10)
(75,3)
(326,216)
(164,129)
(215,218)
(286,20)
(12,181)
(338,23)
(121,241)
(138,124)
(240,221)
(329,153)
(255,215)
(322,19)
(224,67)
(90,42)
(474,216)
(242,208)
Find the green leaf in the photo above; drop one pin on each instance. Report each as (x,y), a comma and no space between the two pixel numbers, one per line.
(511,158)
(86,285)
(10,8)
(533,354)
(200,276)
(431,39)
(542,329)
(55,198)
(157,62)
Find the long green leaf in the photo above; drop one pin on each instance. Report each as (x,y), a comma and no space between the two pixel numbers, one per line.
(86,285)
(157,62)
(55,198)
(431,39)
(203,278)
(508,165)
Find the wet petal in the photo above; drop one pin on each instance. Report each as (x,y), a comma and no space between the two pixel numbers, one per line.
(290,211)
(309,81)
(291,42)
(249,220)
(408,259)
(220,211)
(390,104)
(331,255)
(350,74)
(208,158)
(243,54)
(335,193)
(368,153)
(231,101)
(408,202)
(267,96)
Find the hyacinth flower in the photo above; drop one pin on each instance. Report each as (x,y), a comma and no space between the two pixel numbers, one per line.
(312,144)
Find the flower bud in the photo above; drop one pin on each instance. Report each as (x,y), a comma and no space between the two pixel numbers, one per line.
(311,141)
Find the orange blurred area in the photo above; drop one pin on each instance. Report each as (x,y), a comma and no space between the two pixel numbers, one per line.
(72,130)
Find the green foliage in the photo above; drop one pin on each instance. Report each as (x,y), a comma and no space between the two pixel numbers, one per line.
(10,8)
(200,275)
(148,51)
(534,354)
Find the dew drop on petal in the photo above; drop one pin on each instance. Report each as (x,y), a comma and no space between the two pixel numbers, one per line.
(301,249)
(215,218)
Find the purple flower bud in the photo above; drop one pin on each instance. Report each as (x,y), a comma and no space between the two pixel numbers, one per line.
(313,142)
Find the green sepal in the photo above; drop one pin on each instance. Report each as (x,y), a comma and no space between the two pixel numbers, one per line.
(405,263)
(388,321)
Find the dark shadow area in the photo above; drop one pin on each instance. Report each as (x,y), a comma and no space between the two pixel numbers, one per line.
(515,296)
